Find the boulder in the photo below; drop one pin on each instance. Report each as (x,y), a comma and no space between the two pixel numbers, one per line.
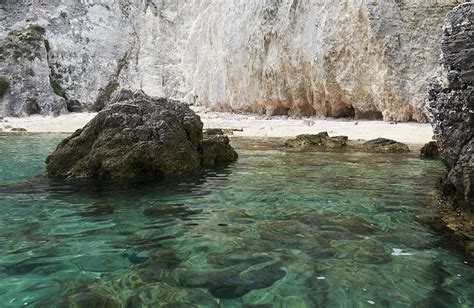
(451,106)
(385,145)
(430,150)
(138,136)
(216,150)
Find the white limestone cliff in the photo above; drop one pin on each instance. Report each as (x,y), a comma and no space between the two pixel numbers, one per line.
(361,58)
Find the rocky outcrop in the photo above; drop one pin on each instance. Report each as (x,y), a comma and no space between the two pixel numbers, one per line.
(139,136)
(452,106)
(321,140)
(430,150)
(275,57)
(384,145)
(324,141)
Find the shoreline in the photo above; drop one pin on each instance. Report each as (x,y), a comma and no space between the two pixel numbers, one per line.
(251,125)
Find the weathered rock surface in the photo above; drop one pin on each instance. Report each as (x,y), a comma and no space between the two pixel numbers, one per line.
(452,106)
(24,63)
(274,57)
(385,146)
(323,141)
(138,136)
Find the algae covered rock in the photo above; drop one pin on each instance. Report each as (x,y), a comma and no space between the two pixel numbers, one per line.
(138,136)
(321,140)
(451,106)
(385,145)
(324,141)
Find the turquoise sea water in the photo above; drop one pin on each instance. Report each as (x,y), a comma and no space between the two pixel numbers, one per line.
(276,229)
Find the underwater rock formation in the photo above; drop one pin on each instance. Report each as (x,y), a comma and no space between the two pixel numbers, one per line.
(274,57)
(452,106)
(138,136)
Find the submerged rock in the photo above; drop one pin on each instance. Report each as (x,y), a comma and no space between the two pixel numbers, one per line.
(452,106)
(82,298)
(136,136)
(233,283)
(385,145)
(430,150)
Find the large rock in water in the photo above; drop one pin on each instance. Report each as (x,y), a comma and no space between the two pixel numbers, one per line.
(452,106)
(138,136)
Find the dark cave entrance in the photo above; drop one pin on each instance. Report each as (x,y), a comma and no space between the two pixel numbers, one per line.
(347,112)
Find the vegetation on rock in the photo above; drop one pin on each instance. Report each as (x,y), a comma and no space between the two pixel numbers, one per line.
(57,88)
(4,85)
(109,89)
(451,105)
(19,44)
(105,94)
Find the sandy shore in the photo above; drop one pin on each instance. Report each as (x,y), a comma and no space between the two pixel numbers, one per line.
(252,126)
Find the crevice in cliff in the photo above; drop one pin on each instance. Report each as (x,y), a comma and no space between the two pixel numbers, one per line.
(53,77)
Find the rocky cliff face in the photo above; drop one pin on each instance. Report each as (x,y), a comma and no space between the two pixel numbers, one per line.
(452,106)
(361,58)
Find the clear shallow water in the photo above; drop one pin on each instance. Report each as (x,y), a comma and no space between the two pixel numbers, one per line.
(276,229)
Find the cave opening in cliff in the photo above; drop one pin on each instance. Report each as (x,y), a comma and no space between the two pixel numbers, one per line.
(348,112)
(368,115)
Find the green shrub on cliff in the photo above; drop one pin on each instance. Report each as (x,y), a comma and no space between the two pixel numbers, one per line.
(109,89)
(4,85)
(57,89)
(37,28)
(47,46)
